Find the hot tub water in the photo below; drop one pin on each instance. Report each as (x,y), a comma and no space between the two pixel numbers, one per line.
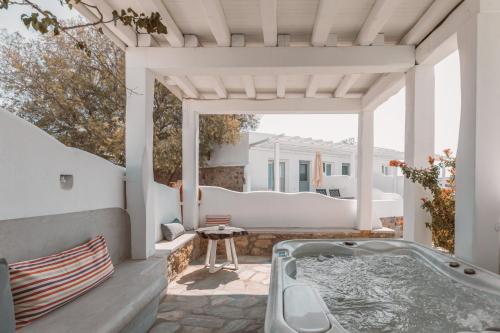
(396,293)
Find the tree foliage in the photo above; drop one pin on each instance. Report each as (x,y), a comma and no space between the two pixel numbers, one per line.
(44,21)
(80,101)
(441,205)
(214,130)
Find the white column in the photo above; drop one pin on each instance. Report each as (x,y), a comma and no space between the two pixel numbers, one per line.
(190,128)
(139,160)
(277,166)
(419,145)
(353,164)
(365,170)
(477,235)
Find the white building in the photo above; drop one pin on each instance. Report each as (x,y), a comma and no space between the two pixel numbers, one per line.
(257,151)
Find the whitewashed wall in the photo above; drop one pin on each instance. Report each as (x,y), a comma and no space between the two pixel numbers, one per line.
(31,162)
(389,184)
(291,210)
(167,207)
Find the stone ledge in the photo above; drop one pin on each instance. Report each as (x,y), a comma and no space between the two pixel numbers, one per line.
(164,248)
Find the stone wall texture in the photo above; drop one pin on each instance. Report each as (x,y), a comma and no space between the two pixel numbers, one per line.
(261,244)
(395,223)
(231,178)
(254,244)
(179,260)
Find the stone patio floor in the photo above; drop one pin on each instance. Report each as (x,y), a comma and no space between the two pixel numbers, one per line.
(225,301)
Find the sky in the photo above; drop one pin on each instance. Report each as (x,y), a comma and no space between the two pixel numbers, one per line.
(389,117)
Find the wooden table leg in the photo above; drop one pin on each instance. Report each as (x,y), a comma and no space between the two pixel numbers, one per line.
(233,254)
(228,249)
(213,255)
(207,258)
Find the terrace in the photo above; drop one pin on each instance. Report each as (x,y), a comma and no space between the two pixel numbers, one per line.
(256,57)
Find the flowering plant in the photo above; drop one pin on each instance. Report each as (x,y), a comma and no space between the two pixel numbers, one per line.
(441,206)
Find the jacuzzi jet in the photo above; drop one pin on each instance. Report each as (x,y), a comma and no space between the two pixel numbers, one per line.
(470,271)
(454,264)
(348,243)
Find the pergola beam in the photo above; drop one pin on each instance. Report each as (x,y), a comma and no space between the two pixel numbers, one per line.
(274,61)
(217,21)
(324,21)
(174,35)
(387,86)
(312,86)
(249,86)
(186,86)
(219,87)
(379,15)
(268,17)
(280,86)
(429,20)
(277,106)
(442,41)
(345,84)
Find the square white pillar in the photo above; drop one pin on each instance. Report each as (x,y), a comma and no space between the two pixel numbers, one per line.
(419,145)
(365,170)
(190,165)
(477,229)
(277,167)
(139,160)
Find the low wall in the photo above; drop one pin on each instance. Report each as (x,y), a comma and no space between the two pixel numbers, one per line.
(31,164)
(167,207)
(292,210)
(278,210)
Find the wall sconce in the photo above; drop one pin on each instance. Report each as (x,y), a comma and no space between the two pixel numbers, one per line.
(66,182)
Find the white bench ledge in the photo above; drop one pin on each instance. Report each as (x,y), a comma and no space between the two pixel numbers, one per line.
(164,248)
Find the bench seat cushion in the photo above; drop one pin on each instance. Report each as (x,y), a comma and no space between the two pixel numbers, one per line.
(112,305)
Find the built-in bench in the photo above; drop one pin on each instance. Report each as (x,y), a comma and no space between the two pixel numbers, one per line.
(179,253)
(127,302)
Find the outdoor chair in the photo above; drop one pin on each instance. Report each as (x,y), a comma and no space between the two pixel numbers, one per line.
(321,191)
(334,192)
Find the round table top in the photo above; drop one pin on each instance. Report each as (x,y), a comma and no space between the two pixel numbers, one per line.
(215,233)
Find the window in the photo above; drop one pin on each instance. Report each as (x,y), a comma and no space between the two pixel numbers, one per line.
(327,169)
(270,176)
(346,169)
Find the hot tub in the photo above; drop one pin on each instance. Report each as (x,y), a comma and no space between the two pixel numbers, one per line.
(335,286)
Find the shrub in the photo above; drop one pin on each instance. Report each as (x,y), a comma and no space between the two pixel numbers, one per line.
(441,206)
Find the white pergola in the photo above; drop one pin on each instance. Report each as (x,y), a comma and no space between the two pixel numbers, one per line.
(320,56)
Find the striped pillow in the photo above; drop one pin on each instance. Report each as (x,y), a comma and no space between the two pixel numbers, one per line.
(217,219)
(44,284)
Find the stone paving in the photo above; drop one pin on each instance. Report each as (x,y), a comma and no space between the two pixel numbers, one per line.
(226,301)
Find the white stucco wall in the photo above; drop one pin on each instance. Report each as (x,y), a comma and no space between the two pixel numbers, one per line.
(167,207)
(290,210)
(231,155)
(31,162)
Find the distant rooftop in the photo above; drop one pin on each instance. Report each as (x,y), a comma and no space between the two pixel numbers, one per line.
(266,140)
